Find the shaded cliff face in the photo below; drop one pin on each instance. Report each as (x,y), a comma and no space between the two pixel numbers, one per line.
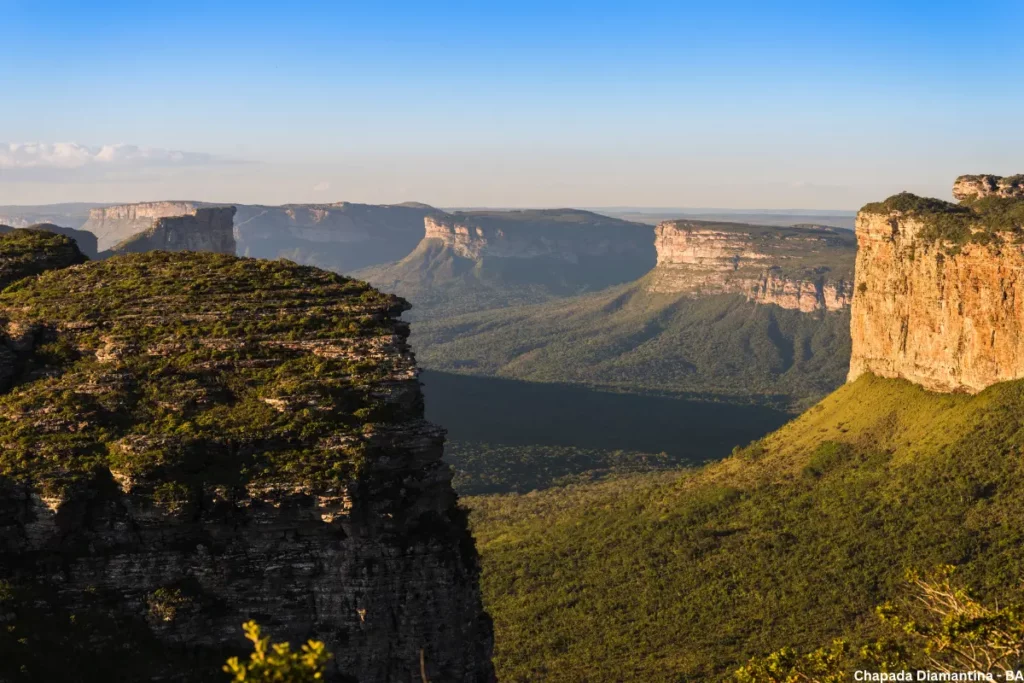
(806,269)
(196,439)
(476,260)
(562,234)
(204,230)
(939,300)
(342,237)
(114,224)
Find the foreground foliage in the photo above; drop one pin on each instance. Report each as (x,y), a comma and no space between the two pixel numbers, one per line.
(792,542)
(937,626)
(277,663)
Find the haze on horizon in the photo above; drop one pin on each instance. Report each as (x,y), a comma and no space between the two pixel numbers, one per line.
(653,104)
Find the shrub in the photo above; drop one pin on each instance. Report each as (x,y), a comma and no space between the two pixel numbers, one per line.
(277,663)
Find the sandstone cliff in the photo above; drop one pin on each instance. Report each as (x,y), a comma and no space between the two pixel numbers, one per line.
(210,229)
(806,269)
(196,439)
(968,187)
(342,236)
(114,224)
(939,295)
(566,235)
(475,260)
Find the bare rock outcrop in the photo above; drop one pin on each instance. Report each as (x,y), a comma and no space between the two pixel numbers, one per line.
(562,234)
(806,269)
(968,187)
(340,236)
(114,224)
(208,229)
(939,297)
(200,439)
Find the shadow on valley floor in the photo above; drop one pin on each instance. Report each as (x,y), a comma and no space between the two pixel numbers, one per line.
(512,412)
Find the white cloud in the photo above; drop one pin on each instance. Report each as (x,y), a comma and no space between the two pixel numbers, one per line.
(322,186)
(71,156)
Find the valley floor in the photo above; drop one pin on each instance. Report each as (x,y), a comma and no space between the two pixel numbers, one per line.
(792,541)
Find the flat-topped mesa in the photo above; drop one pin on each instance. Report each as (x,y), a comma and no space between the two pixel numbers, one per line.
(196,440)
(562,234)
(207,229)
(968,187)
(807,269)
(939,297)
(114,224)
(340,236)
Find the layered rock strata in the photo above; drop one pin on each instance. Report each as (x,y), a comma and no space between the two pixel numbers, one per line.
(565,235)
(806,269)
(968,187)
(195,440)
(114,224)
(939,296)
(210,229)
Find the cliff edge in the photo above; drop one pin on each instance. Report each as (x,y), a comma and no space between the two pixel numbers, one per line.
(939,297)
(209,229)
(803,268)
(195,439)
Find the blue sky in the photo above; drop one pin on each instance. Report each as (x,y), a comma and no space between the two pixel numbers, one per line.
(743,105)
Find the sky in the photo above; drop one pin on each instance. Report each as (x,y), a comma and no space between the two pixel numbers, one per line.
(813,105)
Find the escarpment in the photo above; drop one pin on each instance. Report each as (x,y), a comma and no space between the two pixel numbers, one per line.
(209,229)
(939,295)
(806,269)
(114,224)
(341,236)
(565,235)
(193,440)
(475,260)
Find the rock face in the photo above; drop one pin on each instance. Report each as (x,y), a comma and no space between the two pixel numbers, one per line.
(806,269)
(196,440)
(565,235)
(968,187)
(25,252)
(939,296)
(342,236)
(114,224)
(475,260)
(209,229)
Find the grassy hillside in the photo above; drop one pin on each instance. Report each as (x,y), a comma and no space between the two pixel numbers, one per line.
(630,339)
(790,542)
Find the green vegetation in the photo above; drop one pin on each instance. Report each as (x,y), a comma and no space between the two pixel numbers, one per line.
(277,663)
(987,220)
(482,468)
(629,339)
(936,626)
(192,369)
(790,543)
(28,252)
